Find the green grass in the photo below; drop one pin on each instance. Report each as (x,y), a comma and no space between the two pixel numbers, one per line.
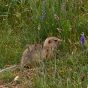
(68,72)
(31,21)
(6,77)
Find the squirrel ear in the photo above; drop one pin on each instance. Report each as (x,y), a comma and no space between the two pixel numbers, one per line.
(49,41)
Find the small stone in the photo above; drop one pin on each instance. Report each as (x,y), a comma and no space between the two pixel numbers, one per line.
(16,78)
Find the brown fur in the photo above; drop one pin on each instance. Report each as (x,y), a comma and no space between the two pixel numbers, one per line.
(36,52)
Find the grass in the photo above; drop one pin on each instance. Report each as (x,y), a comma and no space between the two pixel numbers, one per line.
(68,72)
(31,21)
(6,77)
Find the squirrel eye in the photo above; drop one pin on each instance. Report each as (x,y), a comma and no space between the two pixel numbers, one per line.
(55,40)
